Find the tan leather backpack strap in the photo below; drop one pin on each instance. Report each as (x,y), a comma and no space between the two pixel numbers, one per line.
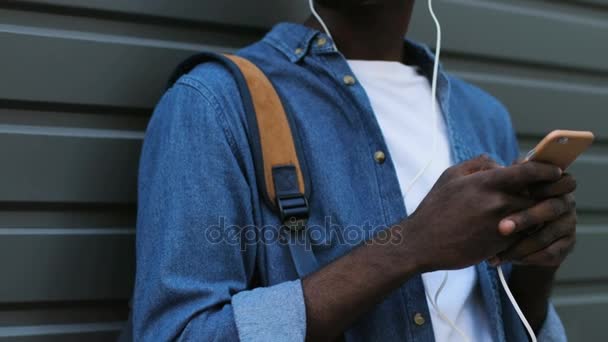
(281,175)
(283,179)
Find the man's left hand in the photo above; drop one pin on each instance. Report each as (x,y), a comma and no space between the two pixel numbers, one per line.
(548,229)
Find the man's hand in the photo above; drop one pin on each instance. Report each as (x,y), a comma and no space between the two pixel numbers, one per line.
(458,218)
(454,227)
(547,231)
(547,234)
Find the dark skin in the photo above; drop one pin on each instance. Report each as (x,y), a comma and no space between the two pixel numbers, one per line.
(366,30)
(501,208)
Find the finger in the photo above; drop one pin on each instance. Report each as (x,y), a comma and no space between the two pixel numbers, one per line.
(546,211)
(521,176)
(542,239)
(504,204)
(553,255)
(475,165)
(567,184)
(481,163)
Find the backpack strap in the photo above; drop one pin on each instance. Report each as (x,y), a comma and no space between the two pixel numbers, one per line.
(280,173)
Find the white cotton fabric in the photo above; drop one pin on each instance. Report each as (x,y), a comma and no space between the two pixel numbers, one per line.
(401,101)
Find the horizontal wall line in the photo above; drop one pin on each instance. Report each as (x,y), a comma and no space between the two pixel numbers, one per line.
(592,229)
(533,12)
(590,285)
(60,329)
(546,66)
(581,299)
(65,206)
(108,38)
(534,83)
(74,108)
(72,132)
(61,305)
(95,13)
(595,217)
(582,4)
(66,231)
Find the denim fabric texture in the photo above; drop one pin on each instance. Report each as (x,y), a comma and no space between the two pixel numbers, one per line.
(206,238)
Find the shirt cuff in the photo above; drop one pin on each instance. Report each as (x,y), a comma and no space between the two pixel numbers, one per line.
(276,313)
(553,329)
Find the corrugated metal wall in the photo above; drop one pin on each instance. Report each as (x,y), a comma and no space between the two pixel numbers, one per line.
(79,79)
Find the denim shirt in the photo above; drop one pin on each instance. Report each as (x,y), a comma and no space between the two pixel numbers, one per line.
(199,279)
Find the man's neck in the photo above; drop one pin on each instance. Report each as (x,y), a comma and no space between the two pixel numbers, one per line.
(368,33)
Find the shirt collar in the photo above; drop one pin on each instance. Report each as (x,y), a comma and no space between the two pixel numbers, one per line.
(293,40)
(296,41)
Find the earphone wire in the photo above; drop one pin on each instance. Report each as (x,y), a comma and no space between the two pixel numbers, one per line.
(311,4)
(434,301)
(521,315)
(505,285)
(435,113)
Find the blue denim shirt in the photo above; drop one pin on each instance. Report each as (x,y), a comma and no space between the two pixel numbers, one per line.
(198,198)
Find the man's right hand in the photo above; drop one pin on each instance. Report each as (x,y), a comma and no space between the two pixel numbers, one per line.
(458,219)
(454,227)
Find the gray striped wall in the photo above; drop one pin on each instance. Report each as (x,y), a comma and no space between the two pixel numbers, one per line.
(79,79)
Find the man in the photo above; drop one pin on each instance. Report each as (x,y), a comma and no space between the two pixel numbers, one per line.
(361,106)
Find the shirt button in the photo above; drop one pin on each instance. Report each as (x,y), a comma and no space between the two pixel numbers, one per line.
(380,157)
(419,319)
(349,80)
(299,51)
(321,41)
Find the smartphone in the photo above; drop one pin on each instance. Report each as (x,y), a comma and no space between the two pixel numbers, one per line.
(561,148)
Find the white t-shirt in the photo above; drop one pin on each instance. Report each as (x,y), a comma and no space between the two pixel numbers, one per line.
(401,100)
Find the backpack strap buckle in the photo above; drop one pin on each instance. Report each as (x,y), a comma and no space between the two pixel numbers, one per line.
(294,210)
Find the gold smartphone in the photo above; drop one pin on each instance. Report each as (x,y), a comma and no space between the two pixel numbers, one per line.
(561,148)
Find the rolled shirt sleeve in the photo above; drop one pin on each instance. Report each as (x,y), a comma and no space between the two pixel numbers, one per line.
(271,314)
(191,282)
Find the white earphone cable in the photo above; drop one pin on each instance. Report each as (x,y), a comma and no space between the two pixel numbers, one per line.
(435,299)
(435,143)
(521,315)
(433,102)
(435,304)
(311,4)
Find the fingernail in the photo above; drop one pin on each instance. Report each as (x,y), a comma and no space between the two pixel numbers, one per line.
(507,227)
